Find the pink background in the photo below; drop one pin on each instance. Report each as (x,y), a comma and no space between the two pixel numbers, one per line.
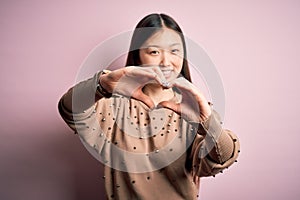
(255,46)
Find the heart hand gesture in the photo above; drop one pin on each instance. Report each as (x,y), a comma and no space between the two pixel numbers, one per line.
(193,107)
(129,81)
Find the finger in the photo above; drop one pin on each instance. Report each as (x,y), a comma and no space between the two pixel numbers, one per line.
(154,72)
(157,75)
(188,89)
(182,83)
(170,105)
(139,95)
(162,79)
(149,73)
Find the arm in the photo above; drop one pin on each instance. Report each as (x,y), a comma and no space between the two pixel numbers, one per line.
(78,103)
(214,148)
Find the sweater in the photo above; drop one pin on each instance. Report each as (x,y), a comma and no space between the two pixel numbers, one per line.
(147,153)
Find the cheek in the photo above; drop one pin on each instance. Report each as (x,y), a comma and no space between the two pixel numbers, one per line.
(178,65)
(146,59)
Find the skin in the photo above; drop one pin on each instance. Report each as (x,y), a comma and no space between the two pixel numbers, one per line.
(165,50)
(162,59)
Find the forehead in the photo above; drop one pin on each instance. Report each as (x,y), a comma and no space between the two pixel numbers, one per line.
(164,38)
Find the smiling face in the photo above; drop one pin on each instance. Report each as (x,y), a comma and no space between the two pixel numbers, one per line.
(163,49)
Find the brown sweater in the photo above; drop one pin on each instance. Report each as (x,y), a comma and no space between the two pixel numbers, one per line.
(147,154)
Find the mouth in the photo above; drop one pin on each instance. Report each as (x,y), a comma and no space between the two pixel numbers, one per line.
(167,73)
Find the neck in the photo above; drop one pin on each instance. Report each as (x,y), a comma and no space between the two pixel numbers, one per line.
(157,93)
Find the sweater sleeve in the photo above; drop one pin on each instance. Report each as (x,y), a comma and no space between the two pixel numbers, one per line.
(78,104)
(214,148)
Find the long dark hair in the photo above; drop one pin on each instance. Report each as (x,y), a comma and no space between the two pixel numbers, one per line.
(145,29)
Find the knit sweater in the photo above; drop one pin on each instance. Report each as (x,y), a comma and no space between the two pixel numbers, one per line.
(147,153)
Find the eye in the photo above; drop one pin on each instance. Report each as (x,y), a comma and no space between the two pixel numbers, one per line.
(154,52)
(175,51)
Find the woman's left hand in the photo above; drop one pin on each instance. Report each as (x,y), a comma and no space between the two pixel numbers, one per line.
(194,107)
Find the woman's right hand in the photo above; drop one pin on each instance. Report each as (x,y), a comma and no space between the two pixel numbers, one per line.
(129,81)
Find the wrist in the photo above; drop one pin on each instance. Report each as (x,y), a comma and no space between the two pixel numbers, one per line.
(100,87)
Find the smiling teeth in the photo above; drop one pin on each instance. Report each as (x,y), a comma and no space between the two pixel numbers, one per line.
(166,72)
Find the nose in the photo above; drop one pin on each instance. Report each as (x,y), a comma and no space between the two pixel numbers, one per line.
(165,59)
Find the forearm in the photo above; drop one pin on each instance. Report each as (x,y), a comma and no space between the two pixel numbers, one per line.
(218,142)
(223,148)
(82,96)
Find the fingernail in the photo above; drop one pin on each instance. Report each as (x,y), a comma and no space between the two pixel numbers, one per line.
(158,106)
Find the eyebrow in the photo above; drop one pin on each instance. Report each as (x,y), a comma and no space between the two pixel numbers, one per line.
(153,45)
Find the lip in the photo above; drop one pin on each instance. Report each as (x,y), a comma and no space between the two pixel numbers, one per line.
(167,72)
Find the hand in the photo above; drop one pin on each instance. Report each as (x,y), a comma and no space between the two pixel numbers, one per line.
(193,107)
(129,81)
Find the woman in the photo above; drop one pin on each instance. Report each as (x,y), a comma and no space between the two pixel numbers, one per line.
(155,133)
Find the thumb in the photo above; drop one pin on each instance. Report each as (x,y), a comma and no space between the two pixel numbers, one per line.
(143,98)
(171,105)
